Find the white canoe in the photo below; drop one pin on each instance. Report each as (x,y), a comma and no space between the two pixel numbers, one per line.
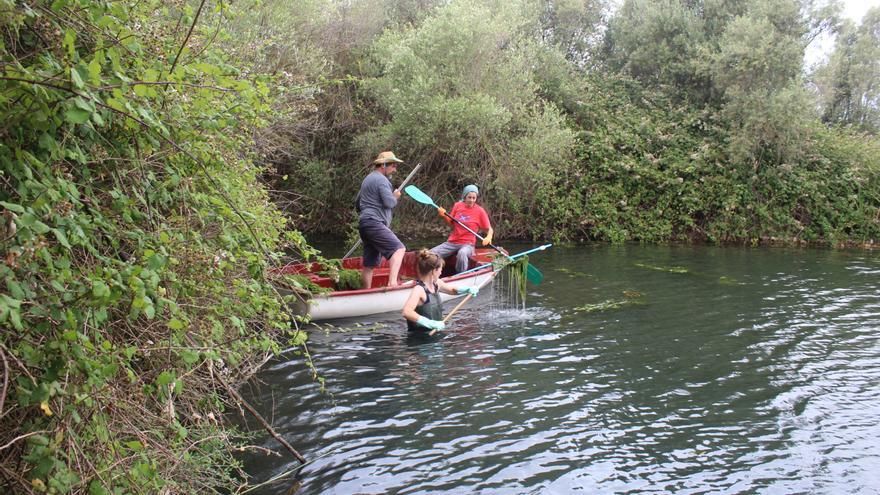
(379,298)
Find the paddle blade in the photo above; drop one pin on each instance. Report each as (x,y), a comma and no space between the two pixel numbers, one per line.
(534,275)
(417,194)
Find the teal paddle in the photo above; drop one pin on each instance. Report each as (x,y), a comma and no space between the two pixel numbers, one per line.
(511,257)
(532,273)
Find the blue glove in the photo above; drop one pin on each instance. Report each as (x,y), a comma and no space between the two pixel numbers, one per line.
(473,291)
(429,323)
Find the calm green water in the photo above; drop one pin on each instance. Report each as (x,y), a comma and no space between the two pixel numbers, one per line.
(755,371)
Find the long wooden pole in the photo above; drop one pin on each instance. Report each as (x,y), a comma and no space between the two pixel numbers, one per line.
(466,299)
(402,185)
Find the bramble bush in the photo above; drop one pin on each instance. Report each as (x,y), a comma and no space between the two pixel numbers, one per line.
(135,247)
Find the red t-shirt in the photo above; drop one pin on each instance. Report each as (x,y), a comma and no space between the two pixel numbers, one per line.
(474,217)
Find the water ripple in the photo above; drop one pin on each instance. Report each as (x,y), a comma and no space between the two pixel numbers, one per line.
(756,371)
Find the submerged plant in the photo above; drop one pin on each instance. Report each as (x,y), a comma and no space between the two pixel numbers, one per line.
(669,269)
(571,273)
(607,305)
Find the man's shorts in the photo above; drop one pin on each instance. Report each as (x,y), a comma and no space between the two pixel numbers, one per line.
(379,242)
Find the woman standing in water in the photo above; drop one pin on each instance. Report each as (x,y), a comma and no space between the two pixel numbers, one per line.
(423,309)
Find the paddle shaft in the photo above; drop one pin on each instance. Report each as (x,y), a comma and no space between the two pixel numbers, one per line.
(533,274)
(402,185)
(513,257)
(463,301)
(465,227)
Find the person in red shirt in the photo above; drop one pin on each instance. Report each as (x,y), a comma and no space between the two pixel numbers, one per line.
(460,241)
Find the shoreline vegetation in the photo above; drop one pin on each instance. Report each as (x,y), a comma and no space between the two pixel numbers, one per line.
(160,158)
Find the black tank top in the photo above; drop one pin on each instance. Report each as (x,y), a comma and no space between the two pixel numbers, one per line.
(431,308)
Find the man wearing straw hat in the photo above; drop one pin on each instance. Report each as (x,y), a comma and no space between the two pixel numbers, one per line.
(375,201)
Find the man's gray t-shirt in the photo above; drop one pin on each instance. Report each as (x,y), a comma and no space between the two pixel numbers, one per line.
(376,199)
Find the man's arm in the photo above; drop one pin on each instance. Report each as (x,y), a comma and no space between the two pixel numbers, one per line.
(389,197)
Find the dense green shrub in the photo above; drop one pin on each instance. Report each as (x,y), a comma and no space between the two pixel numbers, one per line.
(135,245)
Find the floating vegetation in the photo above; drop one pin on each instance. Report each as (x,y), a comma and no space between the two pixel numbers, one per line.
(607,305)
(610,304)
(572,273)
(328,328)
(669,269)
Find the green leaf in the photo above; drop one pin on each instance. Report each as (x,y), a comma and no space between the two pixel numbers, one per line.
(84,104)
(69,42)
(157,261)
(100,290)
(175,324)
(77,116)
(76,79)
(135,445)
(8,302)
(298,338)
(47,142)
(61,238)
(40,227)
(165,378)
(15,289)
(15,319)
(30,221)
(95,70)
(189,357)
(95,488)
(12,207)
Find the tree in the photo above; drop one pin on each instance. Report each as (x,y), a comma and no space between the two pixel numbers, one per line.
(573,26)
(459,93)
(656,42)
(848,83)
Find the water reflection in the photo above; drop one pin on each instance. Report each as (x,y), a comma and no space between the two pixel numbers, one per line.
(743,370)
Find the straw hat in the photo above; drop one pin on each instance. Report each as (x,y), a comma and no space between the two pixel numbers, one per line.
(385,157)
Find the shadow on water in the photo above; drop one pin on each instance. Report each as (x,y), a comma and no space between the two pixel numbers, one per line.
(634,369)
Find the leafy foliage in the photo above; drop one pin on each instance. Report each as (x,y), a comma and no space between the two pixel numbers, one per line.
(687,121)
(137,234)
(135,246)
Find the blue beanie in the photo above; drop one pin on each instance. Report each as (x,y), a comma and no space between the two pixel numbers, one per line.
(470,188)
